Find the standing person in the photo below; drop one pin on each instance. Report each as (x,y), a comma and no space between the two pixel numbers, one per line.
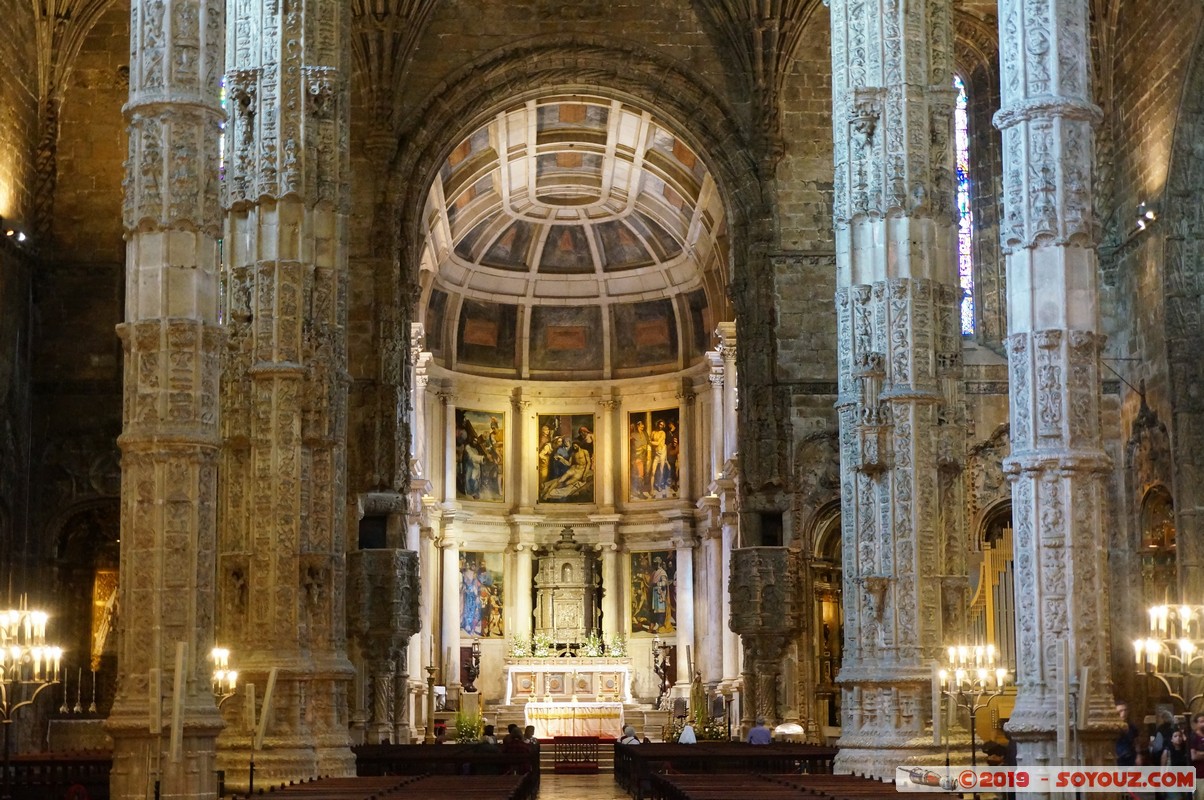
(761,733)
(658,441)
(639,461)
(1196,742)
(1177,753)
(1127,754)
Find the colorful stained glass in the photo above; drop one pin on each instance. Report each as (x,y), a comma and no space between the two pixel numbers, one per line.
(965,228)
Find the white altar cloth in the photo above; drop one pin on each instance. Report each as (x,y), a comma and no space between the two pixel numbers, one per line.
(602,720)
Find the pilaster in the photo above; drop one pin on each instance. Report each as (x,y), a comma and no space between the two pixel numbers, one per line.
(1057,465)
(169,442)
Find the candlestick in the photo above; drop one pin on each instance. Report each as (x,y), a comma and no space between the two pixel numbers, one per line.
(92,705)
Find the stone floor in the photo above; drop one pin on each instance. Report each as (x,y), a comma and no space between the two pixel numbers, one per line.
(580,787)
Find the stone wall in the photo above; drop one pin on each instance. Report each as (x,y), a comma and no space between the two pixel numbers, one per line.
(18,130)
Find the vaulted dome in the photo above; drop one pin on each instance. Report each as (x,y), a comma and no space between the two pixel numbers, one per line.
(574,237)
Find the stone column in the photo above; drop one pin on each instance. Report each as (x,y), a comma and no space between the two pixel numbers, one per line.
(727,351)
(284,475)
(715,378)
(715,591)
(606,458)
(449,656)
(522,592)
(524,458)
(608,538)
(1057,465)
(898,338)
(170,437)
(430,569)
(418,532)
(685,607)
(729,520)
(685,443)
(449,448)
(419,359)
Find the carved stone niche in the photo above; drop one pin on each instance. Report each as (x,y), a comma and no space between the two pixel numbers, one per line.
(764,591)
(382,599)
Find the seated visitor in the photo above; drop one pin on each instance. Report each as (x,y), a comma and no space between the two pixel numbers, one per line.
(488,736)
(529,736)
(760,734)
(687,735)
(629,736)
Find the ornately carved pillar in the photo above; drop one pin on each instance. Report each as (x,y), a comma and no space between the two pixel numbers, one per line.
(899,339)
(285,386)
(170,437)
(767,612)
(1057,464)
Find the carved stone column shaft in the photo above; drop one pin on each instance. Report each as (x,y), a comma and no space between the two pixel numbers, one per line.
(284,475)
(899,343)
(169,441)
(1057,464)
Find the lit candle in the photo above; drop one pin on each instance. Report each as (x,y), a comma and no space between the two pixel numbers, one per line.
(1000,675)
(1139,649)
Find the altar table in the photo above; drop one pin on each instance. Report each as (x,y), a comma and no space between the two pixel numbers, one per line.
(589,680)
(601,720)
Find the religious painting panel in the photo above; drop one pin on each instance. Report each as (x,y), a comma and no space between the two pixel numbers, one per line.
(653,455)
(565,458)
(480,461)
(654,592)
(481,594)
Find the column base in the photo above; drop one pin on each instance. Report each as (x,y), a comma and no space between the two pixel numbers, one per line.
(879,757)
(140,759)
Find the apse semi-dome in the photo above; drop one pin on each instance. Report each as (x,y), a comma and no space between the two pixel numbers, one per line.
(573,237)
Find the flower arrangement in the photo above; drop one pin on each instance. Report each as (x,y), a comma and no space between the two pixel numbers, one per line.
(541,645)
(520,647)
(617,647)
(706,727)
(469,726)
(592,647)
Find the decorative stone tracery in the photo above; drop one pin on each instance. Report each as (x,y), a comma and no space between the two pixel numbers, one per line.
(169,443)
(285,380)
(900,407)
(1057,464)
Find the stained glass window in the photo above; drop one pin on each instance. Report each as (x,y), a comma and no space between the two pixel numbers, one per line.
(965,228)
